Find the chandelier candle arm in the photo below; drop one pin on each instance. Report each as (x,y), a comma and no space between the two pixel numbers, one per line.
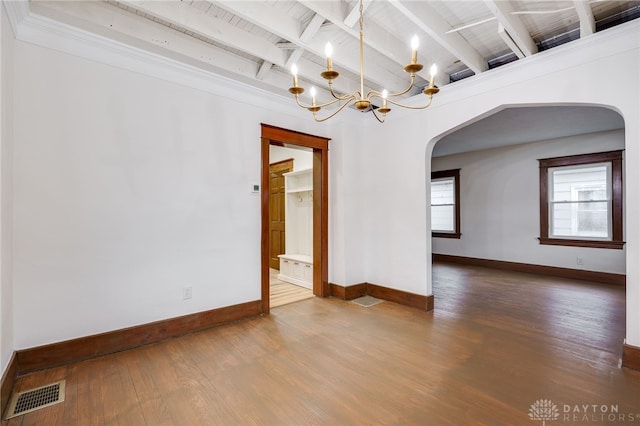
(338,97)
(392,95)
(391,101)
(317,106)
(333,114)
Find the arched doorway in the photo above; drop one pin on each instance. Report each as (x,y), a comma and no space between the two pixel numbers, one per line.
(498,155)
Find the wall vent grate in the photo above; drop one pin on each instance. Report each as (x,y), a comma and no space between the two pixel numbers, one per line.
(367,301)
(34,399)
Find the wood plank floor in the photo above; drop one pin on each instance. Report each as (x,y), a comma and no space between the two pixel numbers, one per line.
(283,293)
(496,343)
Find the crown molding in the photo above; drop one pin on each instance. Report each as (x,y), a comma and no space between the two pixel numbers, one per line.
(49,33)
(17,12)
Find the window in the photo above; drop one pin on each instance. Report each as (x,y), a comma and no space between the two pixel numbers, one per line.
(445,204)
(581,200)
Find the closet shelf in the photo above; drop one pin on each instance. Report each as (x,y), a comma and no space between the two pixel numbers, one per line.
(296,265)
(293,191)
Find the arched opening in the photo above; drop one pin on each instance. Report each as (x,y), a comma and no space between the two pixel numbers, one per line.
(498,258)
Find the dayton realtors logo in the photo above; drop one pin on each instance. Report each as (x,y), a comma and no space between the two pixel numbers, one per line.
(545,410)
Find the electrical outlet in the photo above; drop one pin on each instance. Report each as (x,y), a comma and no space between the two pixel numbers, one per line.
(187,293)
(579,261)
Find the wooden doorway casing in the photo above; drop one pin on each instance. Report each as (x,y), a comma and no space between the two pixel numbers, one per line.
(272,135)
(276,210)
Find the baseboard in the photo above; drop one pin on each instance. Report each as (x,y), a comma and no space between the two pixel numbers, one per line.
(631,357)
(390,294)
(83,348)
(413,300)
(349,292)
(8,380)
(554,271)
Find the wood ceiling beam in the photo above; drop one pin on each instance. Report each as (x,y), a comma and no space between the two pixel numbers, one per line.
(265,67)
(585,14)
(265,17)
(206,25)
(375,37)
(513,26)
(429,21)
(504,35)
(307,34)
(312,28)
(354,15)
(130,28)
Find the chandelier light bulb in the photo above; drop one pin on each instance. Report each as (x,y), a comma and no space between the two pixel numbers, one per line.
(385,93)
(415,42)
(313,95)
(328,50)
(294,72)
(434,71)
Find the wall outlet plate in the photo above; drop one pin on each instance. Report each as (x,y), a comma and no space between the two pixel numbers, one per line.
(255,188)
(187,293)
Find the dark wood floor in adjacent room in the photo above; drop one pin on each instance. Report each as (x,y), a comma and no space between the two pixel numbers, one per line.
(496,343)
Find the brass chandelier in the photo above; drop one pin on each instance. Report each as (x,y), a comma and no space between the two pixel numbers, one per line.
(358,98)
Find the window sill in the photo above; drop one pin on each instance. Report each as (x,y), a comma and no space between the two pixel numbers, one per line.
(616,245)
(446,235)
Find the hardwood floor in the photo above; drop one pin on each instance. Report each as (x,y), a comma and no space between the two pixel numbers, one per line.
(283,293)
(496,343)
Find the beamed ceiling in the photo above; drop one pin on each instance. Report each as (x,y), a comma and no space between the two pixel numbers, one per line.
(256,42)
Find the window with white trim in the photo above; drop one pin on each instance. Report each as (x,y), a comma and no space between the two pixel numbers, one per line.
(581,200)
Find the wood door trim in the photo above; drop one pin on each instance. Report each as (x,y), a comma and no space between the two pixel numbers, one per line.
(279,136)
(271,135)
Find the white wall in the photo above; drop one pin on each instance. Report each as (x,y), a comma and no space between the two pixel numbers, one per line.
(499,191)
(6,138)
(128,188)
(347,243)
(565,75)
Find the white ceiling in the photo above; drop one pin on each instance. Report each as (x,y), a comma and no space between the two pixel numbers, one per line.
(513,126)
(256,42)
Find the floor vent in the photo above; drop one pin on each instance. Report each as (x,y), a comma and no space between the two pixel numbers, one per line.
(367,301)
(34,399)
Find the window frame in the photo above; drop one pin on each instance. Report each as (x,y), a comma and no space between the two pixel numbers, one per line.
(455,174)
(612,157)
